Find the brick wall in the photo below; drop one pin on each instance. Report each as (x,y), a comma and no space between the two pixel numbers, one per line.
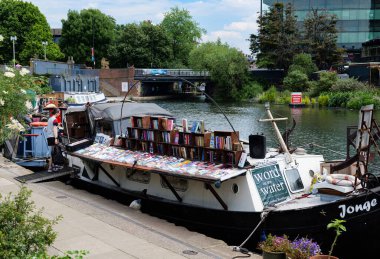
(110,81)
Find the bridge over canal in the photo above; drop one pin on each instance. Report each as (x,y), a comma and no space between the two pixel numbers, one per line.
(170,81)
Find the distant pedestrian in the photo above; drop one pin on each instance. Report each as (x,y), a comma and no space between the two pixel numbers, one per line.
(52,136)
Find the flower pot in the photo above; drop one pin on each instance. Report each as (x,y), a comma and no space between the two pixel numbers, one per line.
(274,255)
(323,257)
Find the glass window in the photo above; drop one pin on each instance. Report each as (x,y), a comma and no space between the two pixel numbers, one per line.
(293,179)
(365,4)
(336,4)
(301,4)
(348,26)
(318,4)
(351,4)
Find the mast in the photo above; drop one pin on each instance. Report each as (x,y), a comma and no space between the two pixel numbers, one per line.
(288,157)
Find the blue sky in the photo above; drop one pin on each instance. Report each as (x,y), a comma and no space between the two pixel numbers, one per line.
(230,20)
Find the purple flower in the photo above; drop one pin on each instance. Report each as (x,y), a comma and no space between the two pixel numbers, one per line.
(304,248)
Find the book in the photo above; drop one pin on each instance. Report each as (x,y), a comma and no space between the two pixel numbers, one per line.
(212,141)
(184,125)
(195,127)
(243,158)
(202,126)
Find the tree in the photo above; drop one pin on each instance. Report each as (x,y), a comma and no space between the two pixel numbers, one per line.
(87,29)
(143,45)
(184,33)
(320,38)
(277,40)
(227,66)
(15,92)
(29,25)
(304,63)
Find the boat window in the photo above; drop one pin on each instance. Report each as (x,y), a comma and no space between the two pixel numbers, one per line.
(294,180)
(178,184)
(235,188)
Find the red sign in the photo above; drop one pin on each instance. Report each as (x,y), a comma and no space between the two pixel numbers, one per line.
(296,98)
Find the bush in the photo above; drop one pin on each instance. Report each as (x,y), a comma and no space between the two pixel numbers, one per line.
(350,84)
(339,99)
(306,100)
(296,81)
(360,99)
(269,95)
(24,232)
(250,91)
(324,84)
(323,100)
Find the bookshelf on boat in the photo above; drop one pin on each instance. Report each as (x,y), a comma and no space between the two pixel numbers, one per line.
(159,135)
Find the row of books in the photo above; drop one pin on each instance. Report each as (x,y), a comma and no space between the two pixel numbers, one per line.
(176,165)
(220,142)
(147,135)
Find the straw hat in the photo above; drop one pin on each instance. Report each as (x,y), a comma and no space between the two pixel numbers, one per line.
(50,106)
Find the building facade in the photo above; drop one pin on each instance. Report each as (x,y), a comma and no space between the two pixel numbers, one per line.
(358,20)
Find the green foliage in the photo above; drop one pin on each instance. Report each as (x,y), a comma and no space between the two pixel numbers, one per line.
(323,100)
(227,66)
(306,100)
(324,84)
(14,88)
(269,96)
(183,32)
(84,30)
(278,37)
(24,232)
(361,98)
(143,45)
(24,20)
(339,228)
(250,91)
(350,84)
(320,38)
(304,63)
(275,244)
(339,99)
(76,254)
(296,81)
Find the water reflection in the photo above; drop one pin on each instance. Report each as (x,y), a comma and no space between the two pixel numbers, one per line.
(322,126)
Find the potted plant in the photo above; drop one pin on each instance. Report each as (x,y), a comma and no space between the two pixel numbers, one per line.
(275,247)
(337,225)
(303,248)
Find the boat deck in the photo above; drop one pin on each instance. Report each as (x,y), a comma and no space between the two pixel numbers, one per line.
(166,165)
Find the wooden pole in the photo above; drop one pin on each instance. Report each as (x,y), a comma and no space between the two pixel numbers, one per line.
(288,157)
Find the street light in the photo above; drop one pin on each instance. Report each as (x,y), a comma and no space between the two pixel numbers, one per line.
(13,39)
(45,43)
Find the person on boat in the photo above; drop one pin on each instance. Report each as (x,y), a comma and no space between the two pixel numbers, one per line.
(52,137)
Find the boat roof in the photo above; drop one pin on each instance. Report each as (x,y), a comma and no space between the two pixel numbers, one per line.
(113,111)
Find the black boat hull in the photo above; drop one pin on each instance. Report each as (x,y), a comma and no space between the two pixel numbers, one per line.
(362,215)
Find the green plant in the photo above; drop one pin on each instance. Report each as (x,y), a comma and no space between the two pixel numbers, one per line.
(350,84)
(275,244)
(296,80)
(24,232)
(323,100)
(339,228)
(269,95)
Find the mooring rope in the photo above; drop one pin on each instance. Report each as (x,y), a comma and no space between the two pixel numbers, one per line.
(240,248)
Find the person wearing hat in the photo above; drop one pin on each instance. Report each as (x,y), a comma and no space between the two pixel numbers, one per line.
(52,135)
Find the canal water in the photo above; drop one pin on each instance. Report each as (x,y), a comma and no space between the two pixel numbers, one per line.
(318,130)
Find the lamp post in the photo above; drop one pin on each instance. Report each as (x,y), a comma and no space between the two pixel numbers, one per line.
(13,39)
(44,43)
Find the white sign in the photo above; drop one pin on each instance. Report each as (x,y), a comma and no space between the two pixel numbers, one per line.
(124,86)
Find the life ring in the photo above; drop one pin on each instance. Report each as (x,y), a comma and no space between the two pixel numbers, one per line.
(39,124)
(342,180)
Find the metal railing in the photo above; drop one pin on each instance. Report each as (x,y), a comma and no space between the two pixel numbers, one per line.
(171,72)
